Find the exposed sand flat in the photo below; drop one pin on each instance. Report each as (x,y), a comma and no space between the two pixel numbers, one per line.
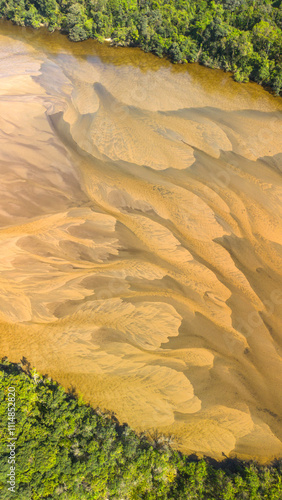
(140,238)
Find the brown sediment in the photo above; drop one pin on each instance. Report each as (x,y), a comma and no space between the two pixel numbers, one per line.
(140,238)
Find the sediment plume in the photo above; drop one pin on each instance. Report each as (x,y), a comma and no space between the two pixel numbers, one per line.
(140,239)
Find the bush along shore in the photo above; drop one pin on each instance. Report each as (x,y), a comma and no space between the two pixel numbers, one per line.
(242,36)
(54,446)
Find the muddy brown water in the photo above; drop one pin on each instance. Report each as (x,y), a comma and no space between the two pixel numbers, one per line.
(140,238)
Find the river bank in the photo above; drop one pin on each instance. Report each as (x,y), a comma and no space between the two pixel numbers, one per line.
(75,450)
(234,37)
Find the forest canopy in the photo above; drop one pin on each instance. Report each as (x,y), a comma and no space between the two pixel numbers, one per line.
(61,448)
(242,36)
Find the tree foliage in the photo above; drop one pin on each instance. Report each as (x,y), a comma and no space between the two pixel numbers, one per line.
(66,450)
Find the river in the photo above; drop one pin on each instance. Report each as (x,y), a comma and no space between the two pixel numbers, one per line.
(140,238)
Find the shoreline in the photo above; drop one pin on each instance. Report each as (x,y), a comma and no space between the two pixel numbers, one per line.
(210,64)
(23,367)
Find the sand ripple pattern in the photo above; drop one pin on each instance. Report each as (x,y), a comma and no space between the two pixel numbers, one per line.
(140,239)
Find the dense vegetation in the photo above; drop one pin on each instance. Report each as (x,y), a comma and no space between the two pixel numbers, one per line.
(242,36)
(66,450)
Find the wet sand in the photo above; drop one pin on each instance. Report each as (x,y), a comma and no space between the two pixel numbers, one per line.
(140,238)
